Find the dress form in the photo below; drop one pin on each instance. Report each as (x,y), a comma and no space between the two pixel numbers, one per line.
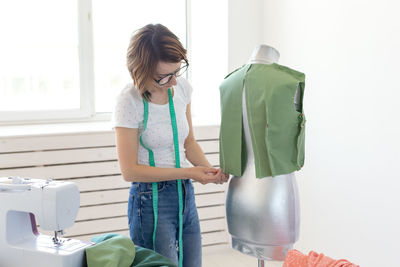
(262,214)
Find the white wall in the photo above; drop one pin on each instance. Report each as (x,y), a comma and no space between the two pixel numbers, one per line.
(208,58)
(245,29)
(350,53)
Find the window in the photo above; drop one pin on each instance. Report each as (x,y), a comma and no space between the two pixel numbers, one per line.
(113,25)
(66,60)
(39,66)
(209,58)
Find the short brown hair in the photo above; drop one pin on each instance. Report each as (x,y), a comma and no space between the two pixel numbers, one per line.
(148,46)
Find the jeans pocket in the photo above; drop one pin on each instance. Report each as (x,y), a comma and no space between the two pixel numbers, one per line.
(147,188)
(131,201)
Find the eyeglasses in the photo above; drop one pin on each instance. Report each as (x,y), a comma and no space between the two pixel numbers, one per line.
(166,79)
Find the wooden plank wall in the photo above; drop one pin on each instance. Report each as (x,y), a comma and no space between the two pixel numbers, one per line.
(90,160)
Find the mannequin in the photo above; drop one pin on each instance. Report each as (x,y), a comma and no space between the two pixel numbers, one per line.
(262,214)
(264,54)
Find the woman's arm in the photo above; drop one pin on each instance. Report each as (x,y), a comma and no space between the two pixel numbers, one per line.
(193,151)
(195,154)
(127,148)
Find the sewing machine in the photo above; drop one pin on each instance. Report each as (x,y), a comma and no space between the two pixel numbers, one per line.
(55,205)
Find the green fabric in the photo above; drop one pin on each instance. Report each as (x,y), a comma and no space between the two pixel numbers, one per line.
(148,258)
(111,250)
(114,250)
(277,130)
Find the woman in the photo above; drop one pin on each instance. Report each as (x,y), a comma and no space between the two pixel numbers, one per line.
(152,149)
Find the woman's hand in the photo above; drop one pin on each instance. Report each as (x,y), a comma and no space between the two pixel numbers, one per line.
(205,175)
(223,177)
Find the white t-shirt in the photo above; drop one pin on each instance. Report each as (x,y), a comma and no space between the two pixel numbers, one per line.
(129,113)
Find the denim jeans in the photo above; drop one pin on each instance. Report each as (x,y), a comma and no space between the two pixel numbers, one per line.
(141,221)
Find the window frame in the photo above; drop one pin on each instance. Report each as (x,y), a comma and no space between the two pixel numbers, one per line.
(86,81)
(86,112)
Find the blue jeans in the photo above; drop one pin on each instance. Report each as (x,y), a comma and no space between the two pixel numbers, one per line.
(141,221)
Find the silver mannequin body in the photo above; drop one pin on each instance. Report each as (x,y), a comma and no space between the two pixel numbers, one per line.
(263,214)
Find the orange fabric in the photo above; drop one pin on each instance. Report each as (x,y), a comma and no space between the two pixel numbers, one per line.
(295,258)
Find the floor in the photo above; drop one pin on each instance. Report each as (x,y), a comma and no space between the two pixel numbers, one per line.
(225,256)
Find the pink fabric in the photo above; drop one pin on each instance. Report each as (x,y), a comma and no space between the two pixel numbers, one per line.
(295,258)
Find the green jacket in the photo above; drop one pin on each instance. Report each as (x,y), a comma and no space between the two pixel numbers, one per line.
(276,128)
(114,250)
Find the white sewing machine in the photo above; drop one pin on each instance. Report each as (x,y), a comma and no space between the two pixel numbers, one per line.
(55,205)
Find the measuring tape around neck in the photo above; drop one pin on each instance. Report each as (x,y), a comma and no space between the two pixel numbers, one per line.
(177,165)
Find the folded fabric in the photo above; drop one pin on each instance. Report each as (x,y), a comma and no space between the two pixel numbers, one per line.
(114,250)
(295,258)
(148,258)
(111,250)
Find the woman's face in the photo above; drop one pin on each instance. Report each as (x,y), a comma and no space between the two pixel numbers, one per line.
(164,71)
